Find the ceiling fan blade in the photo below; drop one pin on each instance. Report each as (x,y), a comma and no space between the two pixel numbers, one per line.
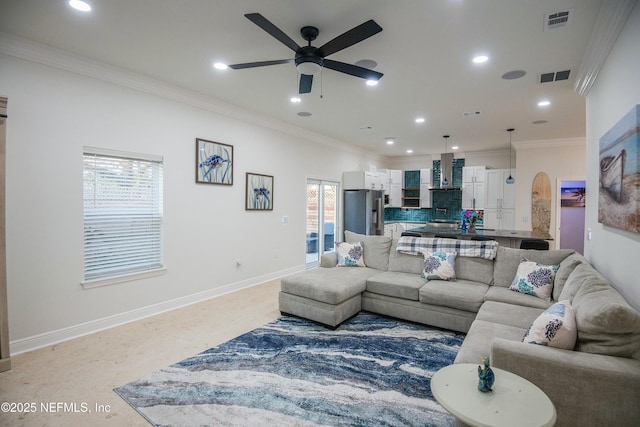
(305,83)
(274,31)
(259,64)
(351,37)
(354,70)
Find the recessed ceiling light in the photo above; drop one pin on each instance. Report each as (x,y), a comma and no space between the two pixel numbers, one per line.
(80,5)
(220,66)
(372,82)
(390,140)
(544,103)
(420,120)
(480,59)
(295,100)
(455,147)
(409,151)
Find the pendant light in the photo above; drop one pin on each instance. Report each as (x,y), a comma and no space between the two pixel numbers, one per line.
(445,181)
(510,180)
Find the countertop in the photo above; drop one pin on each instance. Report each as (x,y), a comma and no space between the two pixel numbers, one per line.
(486,232)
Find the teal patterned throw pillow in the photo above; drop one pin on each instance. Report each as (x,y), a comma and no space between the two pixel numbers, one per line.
(534,279)
(556,327)
(350,254)
(439,266)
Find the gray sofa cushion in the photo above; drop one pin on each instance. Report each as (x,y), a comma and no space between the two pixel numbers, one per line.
(396,284)
(476,269)
(581,274)
(461,294)
(477,343)
(605,321)
(508,314)
(566,267)
(376,249)
(506,295)
(508,259)
(329,285)
(404,262)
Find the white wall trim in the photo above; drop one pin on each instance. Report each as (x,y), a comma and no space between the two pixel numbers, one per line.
(550,143)
(610,21)
(54,337)
(46,55)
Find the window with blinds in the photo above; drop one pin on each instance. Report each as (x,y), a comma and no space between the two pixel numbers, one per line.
(122,214)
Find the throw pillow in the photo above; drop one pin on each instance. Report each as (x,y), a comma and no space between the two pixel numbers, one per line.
(439,266)
(556,327)
(534,279)
(350,254)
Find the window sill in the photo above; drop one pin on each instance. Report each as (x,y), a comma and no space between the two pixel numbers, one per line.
(89,284)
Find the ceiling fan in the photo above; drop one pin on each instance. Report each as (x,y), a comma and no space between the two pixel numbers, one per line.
(309,59)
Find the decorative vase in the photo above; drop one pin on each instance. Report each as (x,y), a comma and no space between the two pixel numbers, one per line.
(486,376)
(472,227)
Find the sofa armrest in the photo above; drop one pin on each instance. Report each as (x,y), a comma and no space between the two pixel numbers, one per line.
(587,389)
(329,259)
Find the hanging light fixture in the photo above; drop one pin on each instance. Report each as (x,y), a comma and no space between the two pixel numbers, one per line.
(510,179)
(445,181)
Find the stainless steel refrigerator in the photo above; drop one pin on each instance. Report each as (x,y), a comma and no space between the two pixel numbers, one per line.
(364,211)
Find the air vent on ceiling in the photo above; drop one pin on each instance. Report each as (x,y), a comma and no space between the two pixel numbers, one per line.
(553,21)
(474,113)
(555,76)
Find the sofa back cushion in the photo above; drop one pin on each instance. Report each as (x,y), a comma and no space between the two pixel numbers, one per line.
(566,268)
(508,260)
(606,323)
(404,263)
(375,249)
(474,269)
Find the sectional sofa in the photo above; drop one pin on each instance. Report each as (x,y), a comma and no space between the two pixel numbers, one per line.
(593,381)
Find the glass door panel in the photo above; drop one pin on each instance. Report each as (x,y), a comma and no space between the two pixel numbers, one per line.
(321,220)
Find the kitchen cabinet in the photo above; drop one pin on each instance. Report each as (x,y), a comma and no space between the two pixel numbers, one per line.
(500,202)
(395,196)
(425,185)
(360,180)
(473,187)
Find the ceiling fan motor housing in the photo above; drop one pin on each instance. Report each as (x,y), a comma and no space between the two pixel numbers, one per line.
(307,61)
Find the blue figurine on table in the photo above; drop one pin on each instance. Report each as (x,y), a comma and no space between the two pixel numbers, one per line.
(486,377)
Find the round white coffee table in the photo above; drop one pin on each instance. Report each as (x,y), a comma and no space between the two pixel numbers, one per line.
(513,401)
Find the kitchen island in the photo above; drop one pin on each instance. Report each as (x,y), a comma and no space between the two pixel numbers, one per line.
(509,238)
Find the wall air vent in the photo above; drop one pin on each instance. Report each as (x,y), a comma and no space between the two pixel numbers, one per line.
(556,20)
(555,76)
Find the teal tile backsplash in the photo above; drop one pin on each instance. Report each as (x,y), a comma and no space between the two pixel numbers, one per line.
(448,203)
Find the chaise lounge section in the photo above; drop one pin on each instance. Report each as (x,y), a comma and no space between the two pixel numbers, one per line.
(595,382)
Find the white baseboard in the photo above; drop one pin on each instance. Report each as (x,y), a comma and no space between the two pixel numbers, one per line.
(35,342)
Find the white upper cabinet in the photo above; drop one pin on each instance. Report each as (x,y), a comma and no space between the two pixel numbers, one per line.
(473,173)
(473,187)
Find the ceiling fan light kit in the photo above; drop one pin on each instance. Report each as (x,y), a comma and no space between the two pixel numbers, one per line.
(310,60)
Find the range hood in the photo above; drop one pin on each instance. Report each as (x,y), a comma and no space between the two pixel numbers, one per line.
(446,171)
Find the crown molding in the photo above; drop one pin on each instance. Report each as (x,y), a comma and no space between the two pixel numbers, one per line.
(57,58)
(550,143)
(611,19)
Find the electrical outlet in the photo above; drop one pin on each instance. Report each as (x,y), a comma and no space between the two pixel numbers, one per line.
(285,219)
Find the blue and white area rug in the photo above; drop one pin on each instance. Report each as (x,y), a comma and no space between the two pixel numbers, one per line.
(371,371)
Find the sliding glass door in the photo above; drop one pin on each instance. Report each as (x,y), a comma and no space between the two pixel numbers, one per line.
(322,219)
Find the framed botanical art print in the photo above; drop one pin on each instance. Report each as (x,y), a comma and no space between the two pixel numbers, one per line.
(259,192)
(214,162)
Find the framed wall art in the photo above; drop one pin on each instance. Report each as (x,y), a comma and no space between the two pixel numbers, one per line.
(259,192)
(619,198)
(214,162)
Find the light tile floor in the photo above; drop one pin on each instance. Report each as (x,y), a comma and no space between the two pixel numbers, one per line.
(83,372)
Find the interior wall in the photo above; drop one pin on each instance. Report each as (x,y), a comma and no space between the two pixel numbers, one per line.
(54,113)
(615,91)
(557,159)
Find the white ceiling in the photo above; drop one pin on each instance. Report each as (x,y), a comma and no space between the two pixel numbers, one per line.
(424,51)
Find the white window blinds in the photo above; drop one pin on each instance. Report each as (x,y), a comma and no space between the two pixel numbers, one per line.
(122,214)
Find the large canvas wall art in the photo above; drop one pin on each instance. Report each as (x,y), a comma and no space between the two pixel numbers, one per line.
(619,198)
(214,162)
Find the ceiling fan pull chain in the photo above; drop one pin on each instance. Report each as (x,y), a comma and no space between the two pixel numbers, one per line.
(321,93)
